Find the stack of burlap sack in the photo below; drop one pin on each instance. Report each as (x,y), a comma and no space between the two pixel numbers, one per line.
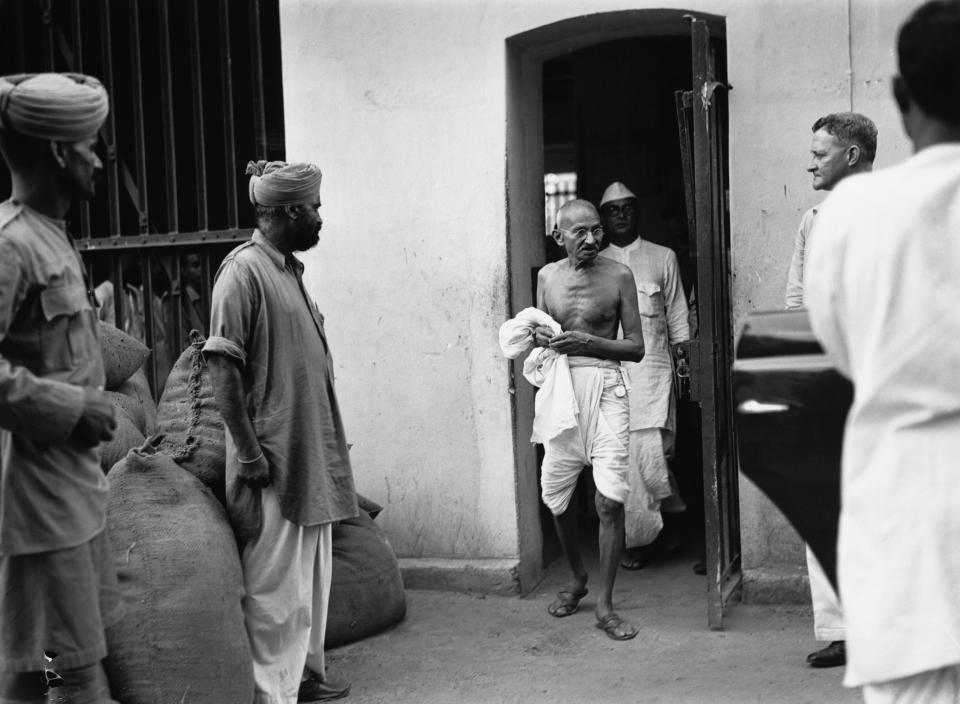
(183,638)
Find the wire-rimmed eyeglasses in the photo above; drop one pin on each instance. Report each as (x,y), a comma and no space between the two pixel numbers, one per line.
(626,210)
(581,232)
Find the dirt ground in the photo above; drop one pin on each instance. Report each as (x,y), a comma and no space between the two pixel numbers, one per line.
(463,648)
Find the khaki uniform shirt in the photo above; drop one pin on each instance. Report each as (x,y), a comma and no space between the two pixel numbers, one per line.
(262,318)
(52,495)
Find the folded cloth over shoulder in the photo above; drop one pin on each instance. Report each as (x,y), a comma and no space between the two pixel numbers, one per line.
(555,407)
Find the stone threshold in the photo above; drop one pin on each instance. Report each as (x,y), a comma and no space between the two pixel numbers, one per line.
(781,584)
(493,576)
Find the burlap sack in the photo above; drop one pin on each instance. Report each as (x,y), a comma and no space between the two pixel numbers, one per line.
(137,388)
(183,638)
(122,354)
(188,418)
(367,592)
(130,407)
(126,437)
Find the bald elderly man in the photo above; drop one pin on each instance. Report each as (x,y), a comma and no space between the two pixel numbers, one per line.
(58,588)
(590,297)
(272,375)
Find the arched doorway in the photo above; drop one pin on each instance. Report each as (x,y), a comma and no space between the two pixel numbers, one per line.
(611,97)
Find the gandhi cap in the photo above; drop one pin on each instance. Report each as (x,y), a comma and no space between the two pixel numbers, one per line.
(616,191)
(63,107)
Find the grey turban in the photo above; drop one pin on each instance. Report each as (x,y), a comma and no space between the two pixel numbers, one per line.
(62,107)
(277,183)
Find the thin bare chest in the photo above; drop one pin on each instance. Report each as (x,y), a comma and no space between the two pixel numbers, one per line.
(589,304)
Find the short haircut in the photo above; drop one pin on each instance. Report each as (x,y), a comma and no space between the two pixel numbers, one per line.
(572,205)
(851,128)
(928,48)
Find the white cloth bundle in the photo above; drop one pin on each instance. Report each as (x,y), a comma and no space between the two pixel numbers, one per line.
(555,408)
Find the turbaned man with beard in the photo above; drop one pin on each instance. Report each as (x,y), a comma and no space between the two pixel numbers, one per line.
(272,375)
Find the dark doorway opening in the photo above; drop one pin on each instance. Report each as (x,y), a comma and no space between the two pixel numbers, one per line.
(610,114)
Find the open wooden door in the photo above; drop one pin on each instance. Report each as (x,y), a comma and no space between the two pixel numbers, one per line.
(702,121)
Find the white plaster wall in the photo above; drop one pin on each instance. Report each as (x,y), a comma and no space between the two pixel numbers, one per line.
(403,104)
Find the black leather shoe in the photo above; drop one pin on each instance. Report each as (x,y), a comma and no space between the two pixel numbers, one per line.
(834,655)
(313,690)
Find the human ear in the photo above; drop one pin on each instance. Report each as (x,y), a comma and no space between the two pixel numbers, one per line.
(57,150)
(557,236)
(292,211)
(853,155)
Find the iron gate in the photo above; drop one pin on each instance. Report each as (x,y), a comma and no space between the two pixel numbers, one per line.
(195,91)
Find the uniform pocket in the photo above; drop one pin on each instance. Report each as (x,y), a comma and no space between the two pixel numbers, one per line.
(649,299)
(66,340)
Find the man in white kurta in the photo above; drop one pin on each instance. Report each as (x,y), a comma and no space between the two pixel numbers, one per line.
(663,313)
(843,144)
(882,288)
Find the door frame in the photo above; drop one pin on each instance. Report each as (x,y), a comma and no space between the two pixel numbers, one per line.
(526,53)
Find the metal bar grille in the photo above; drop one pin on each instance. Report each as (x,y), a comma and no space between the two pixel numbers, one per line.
(166,93)
(136,76)
(230,162)
(256,82)
(138,242)
(159,115)
(48,63)
(108,132)
(199,137)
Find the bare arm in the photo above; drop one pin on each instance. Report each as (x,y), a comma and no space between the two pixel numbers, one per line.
(630,316)
(542,335)
(227,379)
(675,302)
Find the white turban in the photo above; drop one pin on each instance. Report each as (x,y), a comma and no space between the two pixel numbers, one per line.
(62,107)
(278,183)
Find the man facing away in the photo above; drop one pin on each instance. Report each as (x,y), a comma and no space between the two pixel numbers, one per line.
(664,317)
(843,144)
(882,288)
(591,298)
(58,589)
(272,376)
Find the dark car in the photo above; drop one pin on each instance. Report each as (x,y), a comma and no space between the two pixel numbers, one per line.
(791,406)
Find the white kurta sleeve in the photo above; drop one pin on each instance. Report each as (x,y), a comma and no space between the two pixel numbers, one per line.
(674,300)
(794,295)
(823,293)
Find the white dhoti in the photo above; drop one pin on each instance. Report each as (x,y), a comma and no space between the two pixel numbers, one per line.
(827,613)
(287,573)
(600,438)
(648,476)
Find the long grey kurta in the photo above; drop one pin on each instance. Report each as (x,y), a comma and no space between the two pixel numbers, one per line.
(262,318)
(663,314)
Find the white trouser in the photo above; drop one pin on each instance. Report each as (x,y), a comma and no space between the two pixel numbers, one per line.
(286,572)
(827,612)
(932,687)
